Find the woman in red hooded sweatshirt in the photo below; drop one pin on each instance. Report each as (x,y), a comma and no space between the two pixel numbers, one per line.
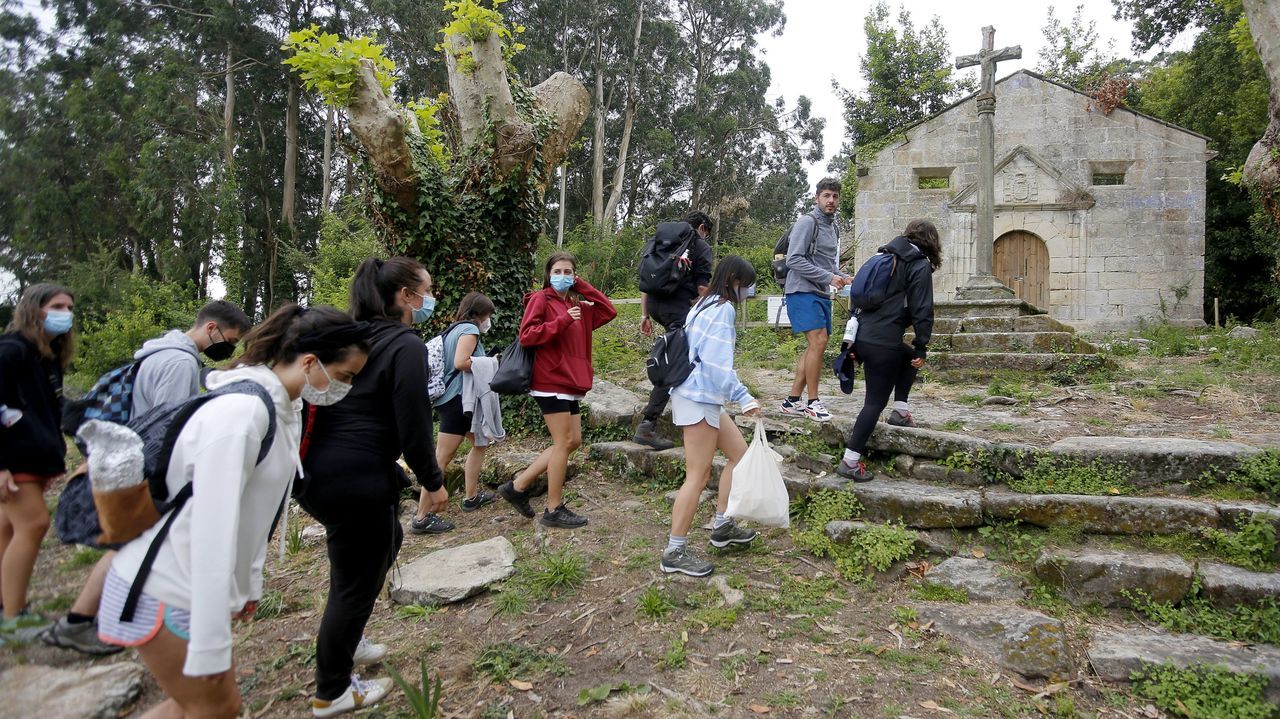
(558,322)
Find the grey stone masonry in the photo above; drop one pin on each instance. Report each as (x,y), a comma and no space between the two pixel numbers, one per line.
(1108,577)
(981,579)
(1116,655)
(1229,586)
(454,574)
(1027,642)
(1102,515)
(1157,460)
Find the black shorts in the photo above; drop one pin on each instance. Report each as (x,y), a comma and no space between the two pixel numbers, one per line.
(452,419)
(555,405)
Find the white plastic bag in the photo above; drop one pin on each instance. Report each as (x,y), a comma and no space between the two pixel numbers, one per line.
(758,493)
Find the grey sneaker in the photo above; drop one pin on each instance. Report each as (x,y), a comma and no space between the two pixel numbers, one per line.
(901,419)
(518,499)
(731,533)
(857,472)
(680,560)
(483,497)
(82,637)
(430,524)
(563,518)
(647,434)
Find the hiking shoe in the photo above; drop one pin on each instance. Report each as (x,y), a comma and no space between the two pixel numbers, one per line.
(483,497)
(361,694)
(430,524)
(369,653)
(680,560)
(901,419)
(816,412)
(22,628)
(562,517)
(730,533)
(647,434)
(518,499)
(857,472)
(795,409)
(82,637)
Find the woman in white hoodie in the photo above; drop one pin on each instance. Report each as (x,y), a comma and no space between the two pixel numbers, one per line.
(209,568)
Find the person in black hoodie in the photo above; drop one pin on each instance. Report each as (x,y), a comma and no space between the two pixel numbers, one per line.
(352,482)
(34,354)
(889,364)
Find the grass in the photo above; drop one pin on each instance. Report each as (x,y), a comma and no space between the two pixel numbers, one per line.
(715,618)
(83,557)
(653,603)
(1012,541)
(511,660)
(416,612)
(1063,475)
(1258,622)
(929,592)
(676,656)
(555,573)
(511,601)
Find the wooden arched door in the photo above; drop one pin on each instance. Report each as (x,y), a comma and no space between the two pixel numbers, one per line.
(1022,264)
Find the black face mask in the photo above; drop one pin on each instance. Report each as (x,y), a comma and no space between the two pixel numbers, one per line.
(219,351)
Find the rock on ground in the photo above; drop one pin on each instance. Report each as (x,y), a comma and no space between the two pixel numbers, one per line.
(454,574)
(981,579)
(1116,655)
(1243,333)
(1228,586)
(609,405)
(1103,576)
(1017,639)
(103,691)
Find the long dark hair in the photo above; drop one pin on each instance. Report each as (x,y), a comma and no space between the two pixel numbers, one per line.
(278,337)
(924,235)
(28,319)
(731,270)
(376,282)
(474,306)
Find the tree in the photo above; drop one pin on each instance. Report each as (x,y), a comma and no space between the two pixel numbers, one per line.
(1071,54)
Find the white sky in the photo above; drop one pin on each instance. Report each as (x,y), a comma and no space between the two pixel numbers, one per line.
(824,39)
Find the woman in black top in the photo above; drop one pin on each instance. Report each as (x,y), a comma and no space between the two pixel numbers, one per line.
(34,353)
(888,364)
(353,483)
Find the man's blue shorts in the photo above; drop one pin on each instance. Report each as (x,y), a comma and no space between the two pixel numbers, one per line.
(809,311)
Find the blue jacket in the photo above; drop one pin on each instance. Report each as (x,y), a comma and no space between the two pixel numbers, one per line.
(710,331)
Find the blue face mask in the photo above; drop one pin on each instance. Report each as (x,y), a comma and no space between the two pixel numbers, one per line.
(562,283)
(423,313)
(58,322)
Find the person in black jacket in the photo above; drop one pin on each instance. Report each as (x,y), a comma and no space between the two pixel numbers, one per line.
(34,354)
(889,364)
(670,310)
(352,482)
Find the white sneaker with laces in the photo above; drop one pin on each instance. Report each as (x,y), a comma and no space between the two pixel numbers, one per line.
(369,653)
(815,411)
(361,694)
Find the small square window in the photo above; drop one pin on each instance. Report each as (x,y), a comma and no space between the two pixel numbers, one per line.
(933,178)
(1108,178)
(934,183)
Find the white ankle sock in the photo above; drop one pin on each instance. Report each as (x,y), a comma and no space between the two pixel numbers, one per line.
(675,543)
(901,407)
(720,521)
(851,457)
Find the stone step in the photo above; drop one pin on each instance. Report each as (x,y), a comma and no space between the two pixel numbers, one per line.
(1116,655)
(1025,323)
(1105,575)
(1020,640)
(985,362)
(506,466)
(982,580)
(984,308)
(918,505)
(1010,342)
(1103,515)
(927,541)
(1158,460)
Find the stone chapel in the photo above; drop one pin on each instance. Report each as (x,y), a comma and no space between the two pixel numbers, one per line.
(1099,219)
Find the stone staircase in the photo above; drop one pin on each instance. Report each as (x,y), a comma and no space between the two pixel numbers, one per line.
(986,335)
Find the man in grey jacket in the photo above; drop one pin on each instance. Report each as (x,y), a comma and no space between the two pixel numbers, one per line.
(169,372)
(813,264)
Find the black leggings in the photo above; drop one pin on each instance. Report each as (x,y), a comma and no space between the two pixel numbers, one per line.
(362,542)
(670,317)
(885,370)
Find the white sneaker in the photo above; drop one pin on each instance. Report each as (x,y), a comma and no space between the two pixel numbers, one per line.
(369,653)
(815,411)
(359,695)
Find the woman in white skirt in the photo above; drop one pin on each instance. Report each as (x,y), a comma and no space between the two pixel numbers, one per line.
(697,406)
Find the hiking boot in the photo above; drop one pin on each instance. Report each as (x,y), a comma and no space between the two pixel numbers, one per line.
(361,694)
(730,533)
(647,434)
(483,497)
(901,419)
(562,517)
(369,653)
(82,637)
(857,472)
(795,409)
(22,628)
(518,499)
(430,524)
(680,560)
(816,412)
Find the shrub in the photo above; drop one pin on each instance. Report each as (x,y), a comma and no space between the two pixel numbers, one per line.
(1205,692)
(1064,475)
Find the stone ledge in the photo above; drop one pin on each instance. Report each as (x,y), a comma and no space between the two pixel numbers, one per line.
(1116,655)
(1104,576)
(1227,586)
(1157,460)
(1102,515)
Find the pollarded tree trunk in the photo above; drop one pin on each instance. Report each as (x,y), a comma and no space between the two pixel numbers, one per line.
(1262,169)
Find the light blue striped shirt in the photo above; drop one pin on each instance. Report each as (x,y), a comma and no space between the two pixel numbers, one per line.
(711,336)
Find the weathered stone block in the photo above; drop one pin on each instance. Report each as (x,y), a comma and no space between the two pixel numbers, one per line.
(452,575)
(1104,576)
(1157,460)
(104,691)
(1116,655)
(982,579)
(609,405)
(1228,586)
(1020,640)
(917,505)
(1103,515)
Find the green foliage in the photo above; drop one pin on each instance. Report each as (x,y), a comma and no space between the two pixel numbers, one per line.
(1071,54)
(929,592)
(1205,692)
(816,597)
(329,65)
(1010,541)
(877,546)
(1064,475)
(653,603)
(1260,473)
(511,660)
(1252,544)
(555,573)
(476,23)
(417,612)
(424,697)
(83,557)
(272,605)
(1258,622)
(601,692)
(1169,340)
(347,238)
(511,600)
(715,617)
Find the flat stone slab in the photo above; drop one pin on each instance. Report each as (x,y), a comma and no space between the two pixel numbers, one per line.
(1157,460)
(1227,586)
(1103,575)
(103,691)
(609,405)
(454,574)
(917,505)
(981,579)
(1023,641)
(1022,361)
(1116,655)
(1103,515)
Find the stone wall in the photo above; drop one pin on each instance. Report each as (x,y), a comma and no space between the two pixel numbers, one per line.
(1116,253)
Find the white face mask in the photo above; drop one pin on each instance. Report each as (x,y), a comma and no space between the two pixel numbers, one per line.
(485,325)
(330,395)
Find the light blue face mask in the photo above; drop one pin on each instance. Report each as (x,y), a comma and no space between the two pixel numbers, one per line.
(423,313)
(562,283)
(58,322)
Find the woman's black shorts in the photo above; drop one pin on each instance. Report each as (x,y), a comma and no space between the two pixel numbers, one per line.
(555,405)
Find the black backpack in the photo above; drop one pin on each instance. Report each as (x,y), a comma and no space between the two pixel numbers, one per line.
(668,364)
(666,261)
(779,264)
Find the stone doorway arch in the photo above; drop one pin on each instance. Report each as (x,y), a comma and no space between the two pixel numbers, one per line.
(1021,262)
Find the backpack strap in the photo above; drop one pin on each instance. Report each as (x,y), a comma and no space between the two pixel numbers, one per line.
(449,369)
(144,570)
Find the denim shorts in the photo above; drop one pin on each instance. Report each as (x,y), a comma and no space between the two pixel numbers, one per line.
(809,311)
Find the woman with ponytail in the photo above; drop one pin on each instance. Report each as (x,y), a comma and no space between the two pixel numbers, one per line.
(354,481)
(208,569)
(34,354)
